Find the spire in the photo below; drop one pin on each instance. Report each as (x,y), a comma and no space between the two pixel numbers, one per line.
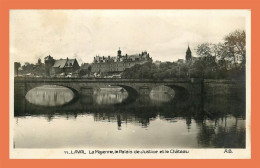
(188,50)
(188,54)
(119,52)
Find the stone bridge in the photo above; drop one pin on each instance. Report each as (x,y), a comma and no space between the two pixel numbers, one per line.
(132,86)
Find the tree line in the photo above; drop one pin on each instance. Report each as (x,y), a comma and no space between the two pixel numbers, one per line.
(224,60)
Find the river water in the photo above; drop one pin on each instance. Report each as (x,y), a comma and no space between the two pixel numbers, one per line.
(49,117)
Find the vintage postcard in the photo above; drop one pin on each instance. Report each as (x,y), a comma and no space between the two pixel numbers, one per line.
(139,84)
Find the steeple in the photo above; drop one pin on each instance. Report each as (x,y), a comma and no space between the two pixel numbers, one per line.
(188,48)
(188,54)
(119,52)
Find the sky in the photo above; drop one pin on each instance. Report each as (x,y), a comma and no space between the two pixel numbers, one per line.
(83,34)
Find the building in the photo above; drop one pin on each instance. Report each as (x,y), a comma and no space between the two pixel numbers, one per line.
(119,63)
(189,57)
(84,71)
(56,67)
(157,63)
(180,61)
(188,54)
(49,62)
(85,66)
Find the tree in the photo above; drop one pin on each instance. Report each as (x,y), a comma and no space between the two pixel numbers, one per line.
(39,69)
(27,68)
(235,47)
(198,69)
(17,65)
(205,50)
(206,66)
(222,60)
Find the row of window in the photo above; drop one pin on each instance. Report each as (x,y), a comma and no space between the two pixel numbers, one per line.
(114,69)
(68,65)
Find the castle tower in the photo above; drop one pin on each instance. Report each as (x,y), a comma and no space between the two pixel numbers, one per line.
(188,54)
(49,62)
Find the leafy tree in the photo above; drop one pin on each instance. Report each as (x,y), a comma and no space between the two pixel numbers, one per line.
(222,60)
(39,69)
(235,47)
(205,50)
(27,68)
(17,65)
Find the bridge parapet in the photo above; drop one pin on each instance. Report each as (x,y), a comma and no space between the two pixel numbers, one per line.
(173,80)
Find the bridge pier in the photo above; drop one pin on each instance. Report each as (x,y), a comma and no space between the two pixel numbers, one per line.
(144,90)
(86,91)
(20,90)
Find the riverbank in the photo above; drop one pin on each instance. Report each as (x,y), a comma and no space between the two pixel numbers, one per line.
(224,87)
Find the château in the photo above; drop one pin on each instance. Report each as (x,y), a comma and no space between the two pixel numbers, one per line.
(118,63)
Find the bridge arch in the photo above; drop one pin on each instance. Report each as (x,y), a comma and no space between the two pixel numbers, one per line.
(32,86)
(180,92)
(132,93)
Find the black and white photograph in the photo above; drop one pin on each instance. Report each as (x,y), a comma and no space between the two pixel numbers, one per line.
(130,83)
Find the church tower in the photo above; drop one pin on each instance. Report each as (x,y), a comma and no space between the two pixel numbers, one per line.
(119,53)
(188,54)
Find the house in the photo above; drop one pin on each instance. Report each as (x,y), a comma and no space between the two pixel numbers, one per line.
(64,66)
(56,67)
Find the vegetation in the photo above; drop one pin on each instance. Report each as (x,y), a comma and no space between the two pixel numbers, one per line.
(17,65)
(216,61)
(32,69)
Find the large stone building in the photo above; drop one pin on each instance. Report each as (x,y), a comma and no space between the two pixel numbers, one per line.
(118,63)
(56,67)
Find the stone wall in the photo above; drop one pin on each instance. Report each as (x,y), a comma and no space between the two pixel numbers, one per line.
(224,87)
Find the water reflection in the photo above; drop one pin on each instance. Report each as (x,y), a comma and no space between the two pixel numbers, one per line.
(229,132)
(49,95)
(98,121)
(110,95)
(162,94)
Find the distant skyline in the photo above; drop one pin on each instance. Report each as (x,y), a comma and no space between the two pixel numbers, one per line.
(83,34)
